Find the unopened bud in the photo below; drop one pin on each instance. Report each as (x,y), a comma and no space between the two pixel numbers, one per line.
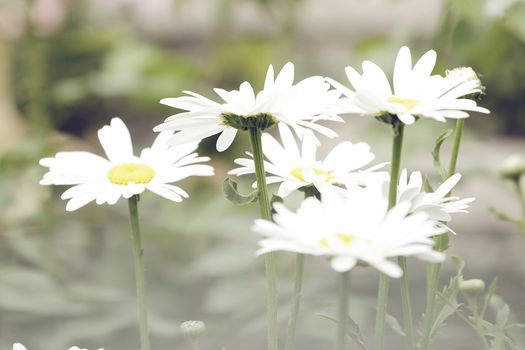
(466,75)
(472,287)
(513,167)
(192,329)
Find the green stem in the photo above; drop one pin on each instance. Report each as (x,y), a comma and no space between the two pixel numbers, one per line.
(296,302)
(473,305)
(434,270)
(344,287)
(194,344)
(455,147)
(139,273)
(521,195)
(269,259)
(407,307)
(384,282)
(382,297)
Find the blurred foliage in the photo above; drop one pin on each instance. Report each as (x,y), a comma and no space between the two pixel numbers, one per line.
(66,278)
(489,35)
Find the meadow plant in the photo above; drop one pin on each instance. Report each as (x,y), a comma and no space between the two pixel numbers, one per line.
(354,213)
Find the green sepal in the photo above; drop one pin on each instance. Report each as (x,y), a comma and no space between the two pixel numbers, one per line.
(229,187)
(442,242)
(435,153)
(275,199)
(310,191)
(262,121)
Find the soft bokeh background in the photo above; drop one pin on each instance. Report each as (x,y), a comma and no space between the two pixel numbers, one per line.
(68,66)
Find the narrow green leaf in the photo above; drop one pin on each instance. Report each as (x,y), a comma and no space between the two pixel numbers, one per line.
(352,328)
(393,323)
(229,187)
(427,186)
(435,152)
(503,216)
(490,293)
(447,303)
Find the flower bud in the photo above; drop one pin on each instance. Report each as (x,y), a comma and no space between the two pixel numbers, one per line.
(466,75)
(192,329)
(513,167)
(472,287)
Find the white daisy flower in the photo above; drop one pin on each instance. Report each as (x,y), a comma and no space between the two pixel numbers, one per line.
(351,228)
(95,178)
(415,93)
(298,105)
(295,168)
(438,205)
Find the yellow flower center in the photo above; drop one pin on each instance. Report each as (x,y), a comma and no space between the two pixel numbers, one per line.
(298,173)
(125,173)
(408,103)
(344,238)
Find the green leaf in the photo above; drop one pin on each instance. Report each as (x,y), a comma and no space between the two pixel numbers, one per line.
(447,303)
(393,323)
(229,187)
(352,328)
(435,152)
(490,293)
(427,186)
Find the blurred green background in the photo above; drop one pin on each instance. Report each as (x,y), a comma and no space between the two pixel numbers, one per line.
(68,66)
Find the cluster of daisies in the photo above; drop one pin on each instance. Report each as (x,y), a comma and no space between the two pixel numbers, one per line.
(347,217)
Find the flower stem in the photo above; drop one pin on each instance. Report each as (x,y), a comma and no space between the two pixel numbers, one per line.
(476,323)
(296,302)
(269,259)
(407,307)
(194,344)
(298,284)
(139,272)
(455,147)
(384,282)
(434,269)
(344,287)
(519,190)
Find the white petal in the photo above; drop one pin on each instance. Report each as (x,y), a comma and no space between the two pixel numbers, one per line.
(342,263)
(225,139)
(387,267)
(376,78)
(116,141)
(402,69)
(80,201)
(288,187)
(165,192)
(354,77)
(448,185)
(423,68)
(194,134)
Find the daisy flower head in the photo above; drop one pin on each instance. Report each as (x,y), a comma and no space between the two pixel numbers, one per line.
(299,168)
(299,105)
(123,174)
(415,91)
(438,205)
(349,228)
